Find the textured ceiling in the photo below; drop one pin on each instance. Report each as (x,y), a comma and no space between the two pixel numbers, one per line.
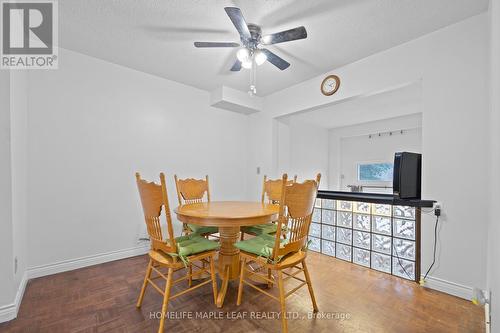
(156,36)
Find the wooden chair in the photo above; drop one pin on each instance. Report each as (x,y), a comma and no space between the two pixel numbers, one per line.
(272,253)
(271,189)
(271,193)
(190,191)
(167,253)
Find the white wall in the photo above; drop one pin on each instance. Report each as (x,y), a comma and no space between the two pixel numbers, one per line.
(452,65)
(261,145)
(91,125)
(494,225)
(303,150)
(7,289)
(13,111)
(19,113)
(283,149)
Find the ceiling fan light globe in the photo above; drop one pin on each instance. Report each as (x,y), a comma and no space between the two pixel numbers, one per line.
(260,57)
(243,54)
(246,64)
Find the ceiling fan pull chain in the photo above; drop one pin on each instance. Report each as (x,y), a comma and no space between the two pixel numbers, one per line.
(253,79)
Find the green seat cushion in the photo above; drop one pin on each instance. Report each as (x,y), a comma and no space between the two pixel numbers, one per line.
(198,229)
(267,228)
(261,245)
(193,244)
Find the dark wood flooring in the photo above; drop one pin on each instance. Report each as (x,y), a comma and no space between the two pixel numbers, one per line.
(102,298)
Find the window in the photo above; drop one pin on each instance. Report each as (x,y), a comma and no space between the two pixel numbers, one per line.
(381,172)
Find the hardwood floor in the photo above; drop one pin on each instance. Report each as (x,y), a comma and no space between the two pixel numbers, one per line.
(102,299)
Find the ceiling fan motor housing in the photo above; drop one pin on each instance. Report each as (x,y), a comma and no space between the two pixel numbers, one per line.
(255,33)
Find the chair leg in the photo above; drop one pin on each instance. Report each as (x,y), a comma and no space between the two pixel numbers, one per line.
(203,266)
(190,278)
(309,286)
(284,327)
(240,287)
(145,283)
(214,280)
(269,274)
(166,296)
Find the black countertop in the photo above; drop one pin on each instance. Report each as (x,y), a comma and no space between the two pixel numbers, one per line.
(378,198)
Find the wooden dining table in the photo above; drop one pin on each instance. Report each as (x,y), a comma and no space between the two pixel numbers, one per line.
(229,217)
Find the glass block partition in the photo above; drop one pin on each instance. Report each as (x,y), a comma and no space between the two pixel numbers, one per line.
(383,237)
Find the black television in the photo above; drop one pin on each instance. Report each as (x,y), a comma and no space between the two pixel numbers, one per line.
(407,181)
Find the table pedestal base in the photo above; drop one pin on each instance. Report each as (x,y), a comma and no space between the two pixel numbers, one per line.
(229,259)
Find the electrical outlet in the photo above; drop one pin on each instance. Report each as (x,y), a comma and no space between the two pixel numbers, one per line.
(438,209)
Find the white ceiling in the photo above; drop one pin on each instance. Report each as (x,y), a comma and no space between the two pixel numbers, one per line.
(391,104)
(156,36)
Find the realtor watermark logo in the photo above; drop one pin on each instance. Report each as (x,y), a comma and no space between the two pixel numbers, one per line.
(29,35)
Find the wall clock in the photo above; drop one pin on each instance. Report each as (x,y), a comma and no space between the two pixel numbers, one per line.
(330,85)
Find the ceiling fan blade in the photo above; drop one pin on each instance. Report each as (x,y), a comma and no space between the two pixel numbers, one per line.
(236,67)
(238,20)
(285,36)
(215,44)
(276,60)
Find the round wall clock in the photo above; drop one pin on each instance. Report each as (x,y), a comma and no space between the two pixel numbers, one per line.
(330,85)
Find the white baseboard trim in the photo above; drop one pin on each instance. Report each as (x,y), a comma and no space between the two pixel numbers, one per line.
(9,311)
(448,287)
(71,264)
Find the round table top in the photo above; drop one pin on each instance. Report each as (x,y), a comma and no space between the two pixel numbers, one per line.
(227,213)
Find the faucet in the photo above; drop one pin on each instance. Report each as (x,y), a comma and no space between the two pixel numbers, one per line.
(356,188)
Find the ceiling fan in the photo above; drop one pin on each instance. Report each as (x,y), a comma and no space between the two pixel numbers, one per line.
(252,41)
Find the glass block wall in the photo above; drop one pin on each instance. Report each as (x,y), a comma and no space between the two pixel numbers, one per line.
(382,237)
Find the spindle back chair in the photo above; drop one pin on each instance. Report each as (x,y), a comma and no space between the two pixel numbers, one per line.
(271,189)
(271,194)
(192,191)
(165,253)
(287,257)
